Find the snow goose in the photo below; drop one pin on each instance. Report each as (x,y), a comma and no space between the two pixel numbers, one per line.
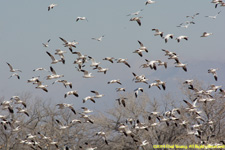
(127,132)
(213,71)
(9,107)
(54,61)
(216,2)
(81,18)
(63,127)
(12,69)
(154,124)
(33,79)
(214,87)
(142,47)
(145,66)
(161,63)
(87,74)
(75,121)
(181,37)
(97,95)
(121,100)
(135,13)
(80,56)
(166,37)
(120,89)
(154,84)
(156,113)
(157,32)
(144,80)
(46,44)
(189,82)
(3,117)
(163,119)
(93,62)
(121,127)
(213,17)
(193,16)
(115,81)
(68,43)
(137,19)
(184,66)
(15,74)
(109,59)
(138,77)
(102,134)
(206,34)
(18,101)
(130,121)
(161,83)
(16,129)
(44,137)
(20,110)
(175,57)
(52,142)
(71,93)
(184,26)
(89,98)
(99,38)
(53,75)
(65,83)
(193,105)
(65,105)
(86,110)
(140,126)
(139,52)
(51,6)
(222,92)
(40,69)
(136,91)
(60,52)
(86,118)
(152,64)
(143,143)
(168,53)
(6,103)
(41,86)
(149,2)
(30,136)
(121,60)
(100,69)
(184,123)
(80,63)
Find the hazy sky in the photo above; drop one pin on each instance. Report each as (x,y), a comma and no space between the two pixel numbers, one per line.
(25,25)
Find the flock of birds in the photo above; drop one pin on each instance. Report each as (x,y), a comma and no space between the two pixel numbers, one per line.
(129,127)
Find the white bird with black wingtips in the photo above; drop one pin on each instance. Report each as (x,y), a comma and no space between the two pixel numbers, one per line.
(136,91)
(12,69)
(213,71)
(71,93)
(51,6)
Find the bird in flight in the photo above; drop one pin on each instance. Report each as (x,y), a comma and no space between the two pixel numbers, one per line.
(99,38)
(12,69)
(135,13)
(137,19)
(81,18)
(46,44)
(51,6)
